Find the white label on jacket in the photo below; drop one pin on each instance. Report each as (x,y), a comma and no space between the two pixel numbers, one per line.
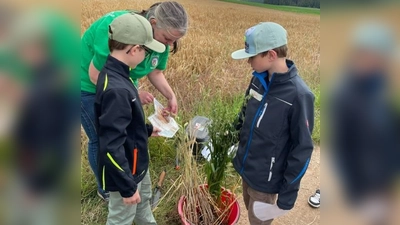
(255,94)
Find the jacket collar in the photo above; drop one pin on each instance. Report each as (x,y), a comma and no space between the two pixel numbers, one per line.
(117,66)
(281,77)
(277,77)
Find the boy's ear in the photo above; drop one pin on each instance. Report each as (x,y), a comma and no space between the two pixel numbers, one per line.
(272,55)
(136,48)
(133,49)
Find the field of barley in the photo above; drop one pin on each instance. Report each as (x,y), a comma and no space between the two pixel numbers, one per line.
(202,70)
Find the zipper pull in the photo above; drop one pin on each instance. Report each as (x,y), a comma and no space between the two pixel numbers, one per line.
(262,111)
(269,176)
(270,168)
(272,163)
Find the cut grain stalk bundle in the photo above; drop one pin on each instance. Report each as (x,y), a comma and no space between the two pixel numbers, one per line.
(208,202)
(197,209)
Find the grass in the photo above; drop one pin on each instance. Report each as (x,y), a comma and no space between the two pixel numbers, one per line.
(286,8)
(316,135)
(201,73)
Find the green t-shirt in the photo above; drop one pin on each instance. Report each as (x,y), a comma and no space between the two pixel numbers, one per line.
(95,47)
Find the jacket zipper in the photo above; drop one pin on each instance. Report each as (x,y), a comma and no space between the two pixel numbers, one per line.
(134,161)
(252,128)
(270,168)
(262,114)
(250,137)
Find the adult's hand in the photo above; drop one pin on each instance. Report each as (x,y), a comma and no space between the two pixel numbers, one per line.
(172,108)
(146,97)
(158,80)
(135,199)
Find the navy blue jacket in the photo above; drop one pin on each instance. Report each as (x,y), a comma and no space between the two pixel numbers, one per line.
(275,125)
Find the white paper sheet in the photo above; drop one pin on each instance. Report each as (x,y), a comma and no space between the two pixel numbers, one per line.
(168,126)
(265,211)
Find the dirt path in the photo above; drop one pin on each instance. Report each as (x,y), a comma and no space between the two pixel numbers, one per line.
(302,213)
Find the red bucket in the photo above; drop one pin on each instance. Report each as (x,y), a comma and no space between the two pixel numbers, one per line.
(228,198)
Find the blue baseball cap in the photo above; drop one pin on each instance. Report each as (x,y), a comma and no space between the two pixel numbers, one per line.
(261,38)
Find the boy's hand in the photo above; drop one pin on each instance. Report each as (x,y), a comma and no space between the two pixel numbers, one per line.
(145,97)
(155,132)
(135,199)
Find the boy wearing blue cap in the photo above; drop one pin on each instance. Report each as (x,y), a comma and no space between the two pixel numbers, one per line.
(275,124)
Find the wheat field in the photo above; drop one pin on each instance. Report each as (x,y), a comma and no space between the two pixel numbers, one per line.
(203,64)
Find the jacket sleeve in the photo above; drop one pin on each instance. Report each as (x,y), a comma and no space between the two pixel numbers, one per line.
(301,125)
(149,129)
(116,115)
